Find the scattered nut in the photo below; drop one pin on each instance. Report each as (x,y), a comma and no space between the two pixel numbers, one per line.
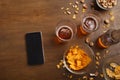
(99,57)
(61,62)
(104,31)
(87,40)
(67,9)
(77,8)
(83,10)
(58,66)
(115,3)
(76,12)
(73,6)
(101,75)
(82,1)
(97,53)
(91,44)
(111,13)
(85,6)
(68,12)
(96,58)
(91,78)
(85,77)
(97,63)
(104,26)
(107,51)
(76,2)
(65,12)
(108,25)
(112,18)
(74,16)
(70,76)
(62,8)
(70,3)
(106,21)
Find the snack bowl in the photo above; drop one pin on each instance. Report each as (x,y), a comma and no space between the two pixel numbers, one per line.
(111,67)
(106,4)
(79,59)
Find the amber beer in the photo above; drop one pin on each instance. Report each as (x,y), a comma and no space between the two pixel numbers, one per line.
(109,38)
(64,31)
(89,24)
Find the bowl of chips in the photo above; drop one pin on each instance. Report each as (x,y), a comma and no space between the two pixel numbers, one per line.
(111,67)
(79,59)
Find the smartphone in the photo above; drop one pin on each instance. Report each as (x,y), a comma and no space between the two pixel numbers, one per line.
(34,48)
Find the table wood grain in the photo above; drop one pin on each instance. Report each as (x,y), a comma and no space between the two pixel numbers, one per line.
(18,17)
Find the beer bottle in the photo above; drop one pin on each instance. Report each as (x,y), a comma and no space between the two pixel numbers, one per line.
(109,38)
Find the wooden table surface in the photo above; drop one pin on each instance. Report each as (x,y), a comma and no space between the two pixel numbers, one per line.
(18,17)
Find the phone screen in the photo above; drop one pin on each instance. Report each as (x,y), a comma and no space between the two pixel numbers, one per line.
(34,48)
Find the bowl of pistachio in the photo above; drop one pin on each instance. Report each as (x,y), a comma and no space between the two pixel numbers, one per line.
(106,4)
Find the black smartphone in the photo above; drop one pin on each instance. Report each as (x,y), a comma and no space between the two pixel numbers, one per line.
(34,48)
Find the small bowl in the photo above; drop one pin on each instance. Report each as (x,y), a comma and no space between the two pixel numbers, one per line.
(99,5)
(107,61)
(86,69)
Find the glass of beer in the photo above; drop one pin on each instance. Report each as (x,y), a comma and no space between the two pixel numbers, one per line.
(90,23)
(65,31)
